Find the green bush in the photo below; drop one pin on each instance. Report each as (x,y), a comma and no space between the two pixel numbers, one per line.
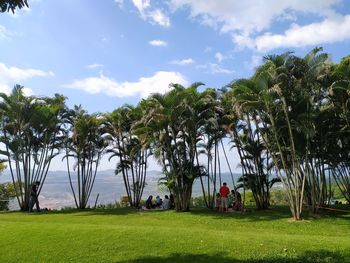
(7,192)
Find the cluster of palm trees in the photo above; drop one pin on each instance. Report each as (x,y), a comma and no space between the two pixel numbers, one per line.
(289,123)
(299,109)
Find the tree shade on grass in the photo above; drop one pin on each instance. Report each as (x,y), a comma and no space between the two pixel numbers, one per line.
(125,235)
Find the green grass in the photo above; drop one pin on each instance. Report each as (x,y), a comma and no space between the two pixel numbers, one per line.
(125,235)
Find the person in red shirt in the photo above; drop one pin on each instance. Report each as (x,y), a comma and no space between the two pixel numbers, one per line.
(224,192)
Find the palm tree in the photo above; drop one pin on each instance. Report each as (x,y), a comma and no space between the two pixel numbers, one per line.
(262,95)
(85,144)
(246,132)
(131,150)
(171,122)
(7,5)
(31,130)
(338,108)
(284,99)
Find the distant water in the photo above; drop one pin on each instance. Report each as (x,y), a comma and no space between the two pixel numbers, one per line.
(56,192)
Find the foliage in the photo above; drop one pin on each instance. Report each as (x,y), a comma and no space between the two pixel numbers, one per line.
(130,150)
(7,5)
(171,125)
(7,191)
(85,142)
(31,132)
(286,101)
(289,122)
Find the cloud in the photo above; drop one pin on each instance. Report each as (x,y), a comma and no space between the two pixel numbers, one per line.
(254,62)
(154,15)
(5,34)
(119,3)
(248,21)
(328,31)
(250,15)
(183,62)
(158,43)
(92,66)
(13,75)
(219,56)
(212,68)
(145,86)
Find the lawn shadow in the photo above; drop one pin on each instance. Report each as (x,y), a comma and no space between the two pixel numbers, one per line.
(275,213)
(89,212)
(308,257)
(338,210)
(114,211)
(252,215)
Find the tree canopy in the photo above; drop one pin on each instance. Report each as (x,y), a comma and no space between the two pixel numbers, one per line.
(12,5)
(289,123)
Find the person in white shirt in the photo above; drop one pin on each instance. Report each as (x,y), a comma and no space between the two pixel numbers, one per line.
(166,202)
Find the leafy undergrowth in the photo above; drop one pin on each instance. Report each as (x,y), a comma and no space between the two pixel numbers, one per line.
(126,235)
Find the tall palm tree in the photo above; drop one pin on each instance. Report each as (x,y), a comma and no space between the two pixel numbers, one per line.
(246,132)
(31,130)
(85,144)
(338,144)
(131,151)
(172,122)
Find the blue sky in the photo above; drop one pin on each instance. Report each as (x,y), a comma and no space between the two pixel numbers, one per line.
(102,54)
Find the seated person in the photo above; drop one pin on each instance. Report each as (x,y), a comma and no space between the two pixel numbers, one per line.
(172,201)
(159,201)
(238,201)
(231,199)
(166,202)
(149,204)
(218,201)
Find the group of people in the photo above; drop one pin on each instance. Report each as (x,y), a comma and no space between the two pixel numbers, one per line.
(159,203)
(228,201)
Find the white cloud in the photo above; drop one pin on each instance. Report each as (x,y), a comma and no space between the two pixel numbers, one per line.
(92,66)
(5,34)
(330,30)
(13,75)
(141,5)
(154,15)
(254,62)
(183,62)
(28,91)
(219,56)
(158,43)
(145,86)
(251,15)
(248,21)
(213,68)
(119,3)
(159,17)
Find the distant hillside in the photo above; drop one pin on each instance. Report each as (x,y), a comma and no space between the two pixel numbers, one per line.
(56,191)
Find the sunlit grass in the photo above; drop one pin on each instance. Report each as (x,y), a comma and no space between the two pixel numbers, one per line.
(126,235)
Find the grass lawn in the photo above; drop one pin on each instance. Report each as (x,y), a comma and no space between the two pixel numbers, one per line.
(125,235)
